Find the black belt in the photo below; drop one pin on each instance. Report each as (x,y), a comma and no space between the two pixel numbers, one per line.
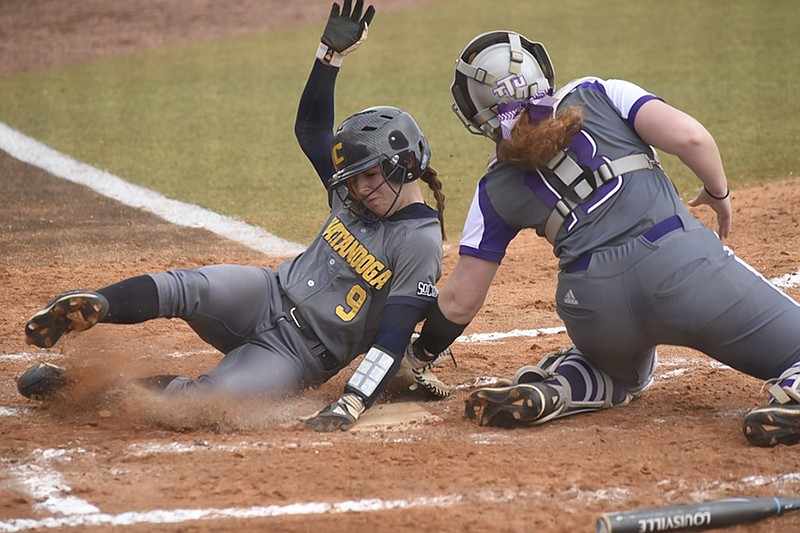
(295,317)
(667,225)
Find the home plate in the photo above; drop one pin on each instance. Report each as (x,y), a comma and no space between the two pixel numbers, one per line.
(394,416)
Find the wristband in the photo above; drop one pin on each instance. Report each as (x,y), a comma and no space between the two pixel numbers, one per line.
(329,56)
(439,332)
(373,375)
(727,193)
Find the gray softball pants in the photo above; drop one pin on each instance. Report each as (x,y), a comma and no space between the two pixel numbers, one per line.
(238,310)
(685,289)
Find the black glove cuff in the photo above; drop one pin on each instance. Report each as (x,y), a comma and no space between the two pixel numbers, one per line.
(439,332)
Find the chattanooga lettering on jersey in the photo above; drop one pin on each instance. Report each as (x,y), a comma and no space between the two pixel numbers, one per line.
(357,256)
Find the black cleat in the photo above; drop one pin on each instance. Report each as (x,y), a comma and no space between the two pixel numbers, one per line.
(41,381)
(773,424)
(516,405)
(70,311)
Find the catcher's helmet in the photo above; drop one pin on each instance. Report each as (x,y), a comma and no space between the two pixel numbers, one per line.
(495,68)
(385,136)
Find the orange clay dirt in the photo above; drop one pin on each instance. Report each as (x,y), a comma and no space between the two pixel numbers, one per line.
(107,456)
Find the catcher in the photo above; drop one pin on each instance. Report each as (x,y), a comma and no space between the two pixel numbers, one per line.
(637,269)
(361,286)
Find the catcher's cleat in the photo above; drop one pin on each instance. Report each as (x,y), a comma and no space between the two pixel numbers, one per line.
(70,311)
(773,424)
(515,405)
(41,381)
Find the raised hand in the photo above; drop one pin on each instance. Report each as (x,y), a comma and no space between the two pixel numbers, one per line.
(346,29)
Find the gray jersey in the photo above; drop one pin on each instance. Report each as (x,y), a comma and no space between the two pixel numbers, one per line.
(509,199)
(340,285)
(352,270)
(637,269)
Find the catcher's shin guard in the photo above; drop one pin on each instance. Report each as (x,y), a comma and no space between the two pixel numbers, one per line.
(585,387)
(70,311)
(515,405)
(41,381)
(777,422)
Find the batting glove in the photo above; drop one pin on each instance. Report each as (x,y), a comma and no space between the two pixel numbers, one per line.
(344,32)
(341,414)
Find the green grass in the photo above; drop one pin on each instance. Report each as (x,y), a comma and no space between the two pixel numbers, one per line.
(212,124)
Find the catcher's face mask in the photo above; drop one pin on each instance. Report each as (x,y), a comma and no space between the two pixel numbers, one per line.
(496,68)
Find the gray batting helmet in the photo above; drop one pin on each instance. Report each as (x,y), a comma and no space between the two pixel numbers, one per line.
(382,135)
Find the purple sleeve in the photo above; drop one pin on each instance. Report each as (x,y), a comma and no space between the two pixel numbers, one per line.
(486,235)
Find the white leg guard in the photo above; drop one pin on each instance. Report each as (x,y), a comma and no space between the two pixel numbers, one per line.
(777,422)
(598,388)
(784,388)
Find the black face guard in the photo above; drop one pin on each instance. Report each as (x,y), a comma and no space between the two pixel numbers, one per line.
(392,177)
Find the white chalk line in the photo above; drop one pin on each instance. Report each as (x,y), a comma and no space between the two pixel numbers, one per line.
(30,356)
(50,356)
(15,411)
(787,280)
(489,337)
(47,486)
(172,516)
(34,153)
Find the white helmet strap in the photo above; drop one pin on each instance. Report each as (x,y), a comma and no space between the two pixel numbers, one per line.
(484,115)
(516,57)
(486,78)
(475,73)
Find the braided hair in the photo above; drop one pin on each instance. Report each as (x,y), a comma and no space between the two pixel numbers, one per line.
(431,177)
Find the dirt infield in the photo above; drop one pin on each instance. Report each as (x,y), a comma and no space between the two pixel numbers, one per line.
(111,457)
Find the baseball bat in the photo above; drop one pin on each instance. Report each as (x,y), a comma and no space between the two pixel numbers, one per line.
(696,516)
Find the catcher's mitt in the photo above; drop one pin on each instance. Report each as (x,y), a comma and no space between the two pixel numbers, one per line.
(414,374)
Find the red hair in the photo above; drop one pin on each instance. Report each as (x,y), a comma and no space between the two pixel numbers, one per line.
(531,146)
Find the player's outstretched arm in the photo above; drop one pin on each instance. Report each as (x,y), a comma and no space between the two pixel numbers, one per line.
(370,379)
